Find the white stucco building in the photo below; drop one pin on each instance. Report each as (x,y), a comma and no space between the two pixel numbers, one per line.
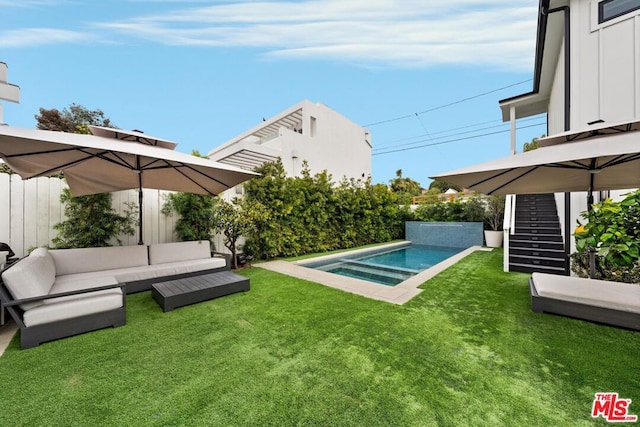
(586,80)
(306,131)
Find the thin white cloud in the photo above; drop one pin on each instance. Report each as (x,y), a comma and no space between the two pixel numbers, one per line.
(396,33)
(40,36)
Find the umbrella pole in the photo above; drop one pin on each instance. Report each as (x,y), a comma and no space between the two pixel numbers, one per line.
(592,172)
(140,241)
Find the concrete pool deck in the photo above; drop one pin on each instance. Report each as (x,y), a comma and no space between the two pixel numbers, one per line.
(398,294)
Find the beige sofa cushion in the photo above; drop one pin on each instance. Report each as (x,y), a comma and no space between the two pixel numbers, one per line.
(161,253)
(30,277)
(71,261)
(70,307)
(599,293)
(170,268)
(63,285)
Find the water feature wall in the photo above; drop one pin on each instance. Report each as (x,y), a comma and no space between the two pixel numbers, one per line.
(447,234)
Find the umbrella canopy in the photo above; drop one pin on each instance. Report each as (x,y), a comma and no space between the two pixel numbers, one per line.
(93,164)
(131,136)
(606,162)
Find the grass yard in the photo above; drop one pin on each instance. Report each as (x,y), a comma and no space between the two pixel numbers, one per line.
(468,351)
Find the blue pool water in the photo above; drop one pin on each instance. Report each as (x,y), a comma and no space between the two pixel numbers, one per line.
(388,267)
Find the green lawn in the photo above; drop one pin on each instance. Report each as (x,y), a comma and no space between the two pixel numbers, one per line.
(467,351)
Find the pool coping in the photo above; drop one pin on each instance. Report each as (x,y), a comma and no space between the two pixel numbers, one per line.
(398,294)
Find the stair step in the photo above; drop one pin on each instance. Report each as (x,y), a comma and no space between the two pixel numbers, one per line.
(537,215)
(538,222)
(537,261)
(537,230)
(535,244)
(525,268)
(547,252)
(537,237)
(535,196)
(380,274)
(535,205)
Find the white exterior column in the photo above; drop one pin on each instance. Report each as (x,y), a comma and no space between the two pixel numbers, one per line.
(512,122)
(8,92)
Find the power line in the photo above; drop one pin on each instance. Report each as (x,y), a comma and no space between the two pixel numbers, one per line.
(431,135)
(454,140)
(447,105)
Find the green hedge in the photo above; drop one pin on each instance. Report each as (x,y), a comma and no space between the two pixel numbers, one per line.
(308,213)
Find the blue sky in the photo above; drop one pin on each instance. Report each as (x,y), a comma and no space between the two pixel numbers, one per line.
(425,77)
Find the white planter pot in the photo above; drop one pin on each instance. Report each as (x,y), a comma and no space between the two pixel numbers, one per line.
(493,238)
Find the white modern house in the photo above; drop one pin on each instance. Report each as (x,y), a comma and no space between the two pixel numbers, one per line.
(586,80)
(306,131)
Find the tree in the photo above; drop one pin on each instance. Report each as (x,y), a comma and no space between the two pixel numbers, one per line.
(91,221)
(235,219)
(405,187)
(74,119)
(196,220)
(441,186)
(533,145)
(196,211)
(495,212)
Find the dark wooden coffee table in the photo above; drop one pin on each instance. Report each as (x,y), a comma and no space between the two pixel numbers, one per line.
(190,290)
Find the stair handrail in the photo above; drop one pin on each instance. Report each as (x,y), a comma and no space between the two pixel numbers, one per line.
(508,226)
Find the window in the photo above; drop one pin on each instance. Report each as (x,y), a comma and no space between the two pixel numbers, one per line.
(610,9)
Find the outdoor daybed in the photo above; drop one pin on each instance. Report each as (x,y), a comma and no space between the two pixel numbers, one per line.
(53,294)
(600,301)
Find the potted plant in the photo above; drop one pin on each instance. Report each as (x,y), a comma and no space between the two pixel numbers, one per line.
(493,220)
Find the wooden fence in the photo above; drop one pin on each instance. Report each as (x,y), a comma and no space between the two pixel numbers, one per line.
(30,208)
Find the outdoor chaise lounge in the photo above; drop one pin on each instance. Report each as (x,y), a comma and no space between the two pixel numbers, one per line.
(600,301)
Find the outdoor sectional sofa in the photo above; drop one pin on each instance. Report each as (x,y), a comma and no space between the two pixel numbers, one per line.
(600,301)
(53,294)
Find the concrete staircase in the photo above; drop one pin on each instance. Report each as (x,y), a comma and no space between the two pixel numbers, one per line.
(537,245)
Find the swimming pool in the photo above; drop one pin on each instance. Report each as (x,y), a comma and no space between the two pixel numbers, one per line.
(387,267)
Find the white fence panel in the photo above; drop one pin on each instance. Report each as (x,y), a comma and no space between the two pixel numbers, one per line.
(29,210)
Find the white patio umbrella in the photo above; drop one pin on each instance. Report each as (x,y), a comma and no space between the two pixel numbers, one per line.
(601,162)
(93,164)
(131,136)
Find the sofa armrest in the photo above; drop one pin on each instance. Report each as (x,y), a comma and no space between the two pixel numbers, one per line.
(64,294)
(226,256)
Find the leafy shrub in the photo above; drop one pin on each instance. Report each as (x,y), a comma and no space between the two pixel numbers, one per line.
(196,220)
(92,221)
(469,210)
(494,216)
(613,229)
